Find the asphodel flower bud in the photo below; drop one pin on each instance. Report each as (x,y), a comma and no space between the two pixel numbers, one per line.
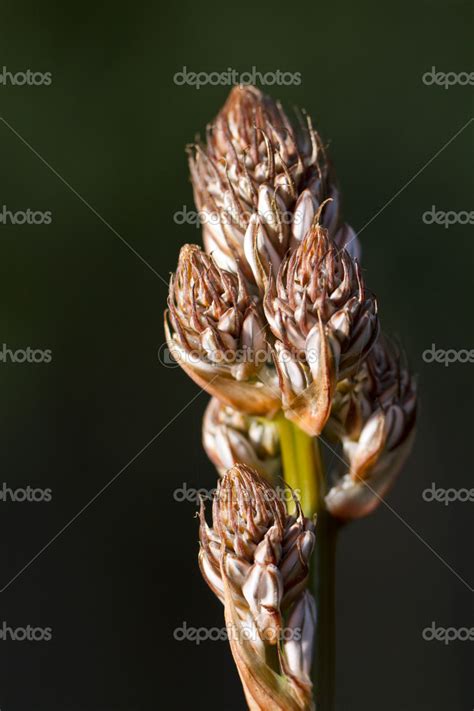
(230,437)
(298,650)
(374,415)
(325,323)
(255,558)
(216,333)
(259,182)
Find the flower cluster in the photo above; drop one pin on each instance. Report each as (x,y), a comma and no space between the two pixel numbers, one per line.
(324,323)
(255,559)
(265,182)
(274,319)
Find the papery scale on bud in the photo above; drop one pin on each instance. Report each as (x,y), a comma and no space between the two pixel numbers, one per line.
(298,650)
(263,586)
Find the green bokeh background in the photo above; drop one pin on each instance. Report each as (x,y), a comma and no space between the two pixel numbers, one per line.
(122,576)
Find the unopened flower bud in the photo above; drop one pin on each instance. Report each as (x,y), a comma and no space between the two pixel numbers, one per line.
(325,324)
(374,416)
(217,335)
(262,180)
(255,558)
(230,437)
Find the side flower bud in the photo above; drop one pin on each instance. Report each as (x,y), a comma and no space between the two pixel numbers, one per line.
(255,559)
(230,436)
(215,332)
(374,416)
(324,322)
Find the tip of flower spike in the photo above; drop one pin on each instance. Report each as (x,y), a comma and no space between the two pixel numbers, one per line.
(242,92)
(243,494)
(246,479)
(246,98)
(246,109)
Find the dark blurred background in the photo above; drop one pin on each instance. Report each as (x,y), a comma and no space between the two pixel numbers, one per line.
(110,130)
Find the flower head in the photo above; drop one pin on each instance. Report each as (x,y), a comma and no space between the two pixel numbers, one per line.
(324,322)
(217,333)
(255,559)
(259,182)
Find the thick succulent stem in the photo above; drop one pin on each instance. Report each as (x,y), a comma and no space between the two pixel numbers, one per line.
(300,463)
(304,472)
(288,455)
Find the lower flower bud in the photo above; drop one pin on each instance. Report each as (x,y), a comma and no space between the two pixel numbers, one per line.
(255,559)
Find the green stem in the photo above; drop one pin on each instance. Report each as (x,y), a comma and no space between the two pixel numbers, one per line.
(299,464)
(307,457)
(304,472)
(288,455)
